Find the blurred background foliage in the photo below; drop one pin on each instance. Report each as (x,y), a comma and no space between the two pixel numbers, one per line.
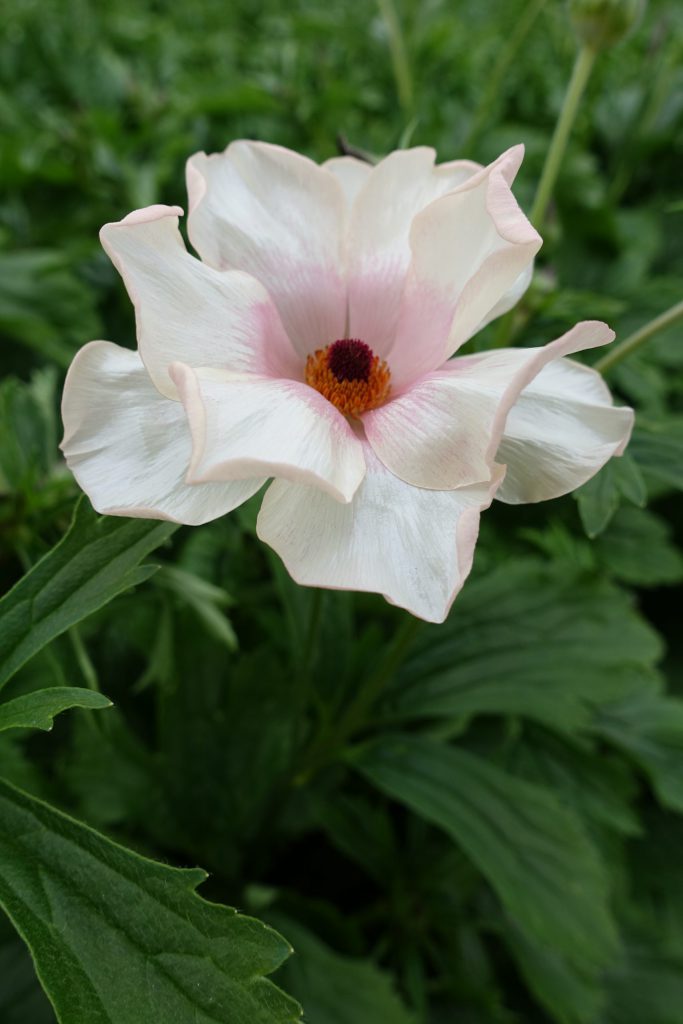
(496,836)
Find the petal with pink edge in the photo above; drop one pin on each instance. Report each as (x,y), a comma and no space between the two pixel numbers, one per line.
(413,546)
(469,250)
(561,430)
(129,447)
(445,431)
(187,311)
(278,216)
(396,190)
(243,427)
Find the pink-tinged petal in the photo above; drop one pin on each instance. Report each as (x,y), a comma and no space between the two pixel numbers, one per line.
(278,216)
(446,430)
(244,427)
(509,299)
(351,174)
(413,546)
(561,430)
(187,311)
(469,249)
(398,188)
(129,447)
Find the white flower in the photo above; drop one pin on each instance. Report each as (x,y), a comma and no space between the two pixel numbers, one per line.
(312,343)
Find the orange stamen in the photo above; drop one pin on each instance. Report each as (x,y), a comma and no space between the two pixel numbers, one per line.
(361,382)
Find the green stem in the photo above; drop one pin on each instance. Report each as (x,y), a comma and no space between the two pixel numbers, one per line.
(312,632)
(583,65)
(639,337)
(399,56)
(327,745)
(506,56)
(304,689)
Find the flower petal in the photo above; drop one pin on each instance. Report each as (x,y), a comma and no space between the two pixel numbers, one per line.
(469,249)
(129,447)
(413,546)
(244,427)
(280,217)
(561,430)
(379,253)
(445,431)
(351,174)
(190,312)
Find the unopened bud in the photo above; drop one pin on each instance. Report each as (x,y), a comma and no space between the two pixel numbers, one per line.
(602,23)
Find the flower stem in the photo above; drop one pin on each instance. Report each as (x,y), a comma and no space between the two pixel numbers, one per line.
(399,57)
(328,744)
(639,337)
(583,65)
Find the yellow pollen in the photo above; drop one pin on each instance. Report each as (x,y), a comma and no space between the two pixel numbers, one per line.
(351,397)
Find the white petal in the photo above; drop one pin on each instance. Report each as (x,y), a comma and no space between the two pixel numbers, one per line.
(351,174)
(445,431)
(253,426)
(413,546)
(399,187)
(469,249)
(509,299)
(280,217)
(190,312)
(561,430)
(129,447)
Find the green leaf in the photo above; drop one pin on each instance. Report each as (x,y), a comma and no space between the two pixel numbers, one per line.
(600,787)
(657,447)
(204,598)
(336,989)
(572,993)
(532,850)
(532,640)
(96,560)
(37,710)
(600,498)
(638,549)
(647,989)
(120,939)
(649,728)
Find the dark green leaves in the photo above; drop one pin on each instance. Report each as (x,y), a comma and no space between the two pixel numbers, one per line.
(600,498)
(531,640)
(533,851)
(335,989)
(96,560)
(120,939)
(37,710)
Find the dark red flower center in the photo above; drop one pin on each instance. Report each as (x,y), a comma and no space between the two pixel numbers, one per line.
(350,359)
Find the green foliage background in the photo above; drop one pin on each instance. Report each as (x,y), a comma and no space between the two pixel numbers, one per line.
(476,823)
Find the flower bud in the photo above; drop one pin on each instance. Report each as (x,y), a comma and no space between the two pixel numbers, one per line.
(602,23)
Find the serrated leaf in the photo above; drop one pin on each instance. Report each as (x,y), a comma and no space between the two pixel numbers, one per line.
(120,939)
(600,497)
(96,560)
(336,989)
(528,639)
(598,500)
(657,447)
(638,548)
(531,849)
(37,710)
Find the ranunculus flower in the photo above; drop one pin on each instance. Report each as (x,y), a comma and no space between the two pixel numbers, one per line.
(312,343)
